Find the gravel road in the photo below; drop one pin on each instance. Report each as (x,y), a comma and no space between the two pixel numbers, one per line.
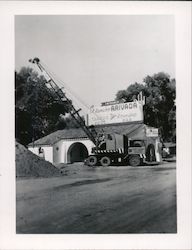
(99,200)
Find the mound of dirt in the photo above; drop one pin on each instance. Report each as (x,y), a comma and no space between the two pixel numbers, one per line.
(31,165)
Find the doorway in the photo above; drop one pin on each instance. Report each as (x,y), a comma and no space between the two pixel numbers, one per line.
(77,152)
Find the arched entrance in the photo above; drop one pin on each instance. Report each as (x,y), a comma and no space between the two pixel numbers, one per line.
(77,152)
(150,153)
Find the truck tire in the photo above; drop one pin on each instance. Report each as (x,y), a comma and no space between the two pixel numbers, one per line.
(105,161)
(134,160)
(91,160)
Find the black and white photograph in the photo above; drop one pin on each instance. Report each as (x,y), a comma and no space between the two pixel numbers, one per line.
(96,108)
(96,151)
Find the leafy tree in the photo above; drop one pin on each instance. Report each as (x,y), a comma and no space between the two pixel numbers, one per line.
(131,92)
(160,109)
(37,108)
(66,122)
(172,123)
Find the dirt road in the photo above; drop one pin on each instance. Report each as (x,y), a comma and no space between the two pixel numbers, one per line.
(99,200)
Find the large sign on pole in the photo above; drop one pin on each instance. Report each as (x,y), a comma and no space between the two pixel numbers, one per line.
(116,113)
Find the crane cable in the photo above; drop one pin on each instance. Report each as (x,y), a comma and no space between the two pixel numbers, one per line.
(64,85)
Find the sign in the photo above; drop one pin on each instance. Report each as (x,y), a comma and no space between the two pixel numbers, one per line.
(110,103)
(117,113)
(152,132)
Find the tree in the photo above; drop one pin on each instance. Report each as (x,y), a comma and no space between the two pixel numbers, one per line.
(160,109)
(36,107)
(66,122)
(131,92)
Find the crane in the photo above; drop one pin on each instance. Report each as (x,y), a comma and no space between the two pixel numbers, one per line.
(61,95)
(111,148)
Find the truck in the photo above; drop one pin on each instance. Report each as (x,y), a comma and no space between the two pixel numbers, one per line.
(109,148)
(115,149)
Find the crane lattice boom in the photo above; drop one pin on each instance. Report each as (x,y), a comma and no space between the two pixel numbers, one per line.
(51,84)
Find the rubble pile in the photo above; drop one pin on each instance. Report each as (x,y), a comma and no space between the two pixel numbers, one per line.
(31,165)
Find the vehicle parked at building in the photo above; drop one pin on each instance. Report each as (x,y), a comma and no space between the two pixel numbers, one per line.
(120,149)
(110,148)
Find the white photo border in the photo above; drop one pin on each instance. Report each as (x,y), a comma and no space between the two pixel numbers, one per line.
(8,237)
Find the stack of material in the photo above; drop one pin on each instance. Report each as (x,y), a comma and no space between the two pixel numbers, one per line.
(30,165)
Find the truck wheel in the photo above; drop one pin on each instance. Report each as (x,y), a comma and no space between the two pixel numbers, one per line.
(105,161)
(134,160)
(92,160)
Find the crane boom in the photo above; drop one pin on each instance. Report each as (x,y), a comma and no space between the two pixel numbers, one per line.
(51,84)
(110,148)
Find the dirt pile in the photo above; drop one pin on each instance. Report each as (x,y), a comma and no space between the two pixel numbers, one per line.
(31,165)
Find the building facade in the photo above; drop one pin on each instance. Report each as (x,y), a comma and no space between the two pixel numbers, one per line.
(72,145)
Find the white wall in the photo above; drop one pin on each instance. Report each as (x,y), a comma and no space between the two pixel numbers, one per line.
(61,148)
(88,144)
(48,152)
(34,150)
(58,152)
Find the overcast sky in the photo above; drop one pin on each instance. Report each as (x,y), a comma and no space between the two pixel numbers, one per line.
(97,55)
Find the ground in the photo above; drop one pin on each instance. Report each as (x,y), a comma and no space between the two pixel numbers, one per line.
(99,200)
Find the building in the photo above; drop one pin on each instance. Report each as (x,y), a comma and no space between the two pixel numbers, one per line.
(72,145)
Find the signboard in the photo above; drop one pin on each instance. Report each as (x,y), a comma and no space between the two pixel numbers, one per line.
(117,113)
(152,132)
(110,103)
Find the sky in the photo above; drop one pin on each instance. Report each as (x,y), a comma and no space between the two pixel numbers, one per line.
(95,55)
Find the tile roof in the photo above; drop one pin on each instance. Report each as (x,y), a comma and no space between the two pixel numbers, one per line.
(77,133)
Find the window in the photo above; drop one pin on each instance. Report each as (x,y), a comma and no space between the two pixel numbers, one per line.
(136,143)
(109,137)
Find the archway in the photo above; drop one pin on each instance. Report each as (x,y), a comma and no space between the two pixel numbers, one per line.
(77,152)
(150,153)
